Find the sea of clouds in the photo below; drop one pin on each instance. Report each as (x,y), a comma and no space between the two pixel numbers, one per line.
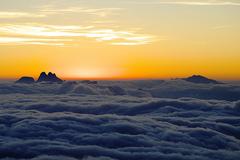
(120,120)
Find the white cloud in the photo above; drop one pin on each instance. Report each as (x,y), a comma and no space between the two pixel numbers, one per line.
(129,43)
(109,34)
(7,15)
(112,36)
(33,41)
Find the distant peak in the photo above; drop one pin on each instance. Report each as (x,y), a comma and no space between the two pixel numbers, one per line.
(197,76)
(50,77)
(200,79)
(43,73)
(27,80)
(50,73)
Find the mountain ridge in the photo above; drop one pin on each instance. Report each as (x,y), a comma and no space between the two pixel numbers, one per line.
(43,77)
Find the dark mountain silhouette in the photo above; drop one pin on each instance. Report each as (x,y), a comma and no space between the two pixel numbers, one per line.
(43,77)
(27,80)
(200,79)
(50,77)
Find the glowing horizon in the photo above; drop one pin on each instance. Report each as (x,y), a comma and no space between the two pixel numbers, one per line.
(131,39)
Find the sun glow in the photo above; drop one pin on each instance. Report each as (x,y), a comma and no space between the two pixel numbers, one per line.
(126,40)
(91,73)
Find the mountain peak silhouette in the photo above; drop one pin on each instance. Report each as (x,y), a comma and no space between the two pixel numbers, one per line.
(27,80)
(200,79)
(50,77)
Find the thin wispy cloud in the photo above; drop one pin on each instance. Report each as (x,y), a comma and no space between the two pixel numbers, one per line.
(199,3)
(33,41)
(103,32)
(101,12)
(9,15)
(49,11)
(193,3)
(109,35)
(220,27)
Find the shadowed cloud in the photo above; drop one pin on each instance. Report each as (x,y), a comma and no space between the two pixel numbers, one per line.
(118,120)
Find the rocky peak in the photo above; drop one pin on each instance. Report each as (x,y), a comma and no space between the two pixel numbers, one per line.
(50,77)
(50,74)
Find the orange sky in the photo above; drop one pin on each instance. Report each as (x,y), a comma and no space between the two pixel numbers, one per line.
(120,40)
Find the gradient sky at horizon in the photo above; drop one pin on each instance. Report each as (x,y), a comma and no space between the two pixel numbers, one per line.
(120,39)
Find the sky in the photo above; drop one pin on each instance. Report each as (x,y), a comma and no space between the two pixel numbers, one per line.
(120,39)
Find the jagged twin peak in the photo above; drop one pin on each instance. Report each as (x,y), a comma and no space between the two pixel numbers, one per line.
(50,77)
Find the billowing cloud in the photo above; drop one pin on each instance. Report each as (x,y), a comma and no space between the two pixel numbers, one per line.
(119,120)
(70,126)
(154,88)
(112,36)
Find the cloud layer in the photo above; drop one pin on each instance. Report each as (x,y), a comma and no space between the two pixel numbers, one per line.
(115,120)
(148,88)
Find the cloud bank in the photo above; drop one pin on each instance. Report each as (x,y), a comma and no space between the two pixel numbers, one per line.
(117,120)
(148,88)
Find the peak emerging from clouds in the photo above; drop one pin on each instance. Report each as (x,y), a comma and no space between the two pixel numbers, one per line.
(26,80)
(200,79)
(142,88)
(50,77)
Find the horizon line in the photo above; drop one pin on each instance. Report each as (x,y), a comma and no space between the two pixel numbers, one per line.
(120,79)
